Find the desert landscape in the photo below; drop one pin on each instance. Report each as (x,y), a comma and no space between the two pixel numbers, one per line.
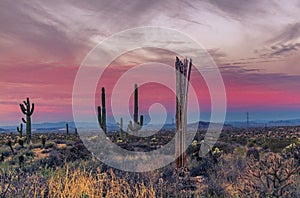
(256,162)
(146,99)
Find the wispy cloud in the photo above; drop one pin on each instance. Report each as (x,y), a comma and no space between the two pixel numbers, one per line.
(43,42)
(241,9)
(280,50)
(28,27)
(289,33)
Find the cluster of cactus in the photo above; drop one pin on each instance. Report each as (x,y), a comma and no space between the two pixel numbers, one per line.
(27,110)
(137,125)
(102,112)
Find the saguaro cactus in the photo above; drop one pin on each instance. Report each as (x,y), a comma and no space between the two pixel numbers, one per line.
(67,128)
(121,127)
(27,109)
(137,125)
(183,73)
(102,112)
(20,130)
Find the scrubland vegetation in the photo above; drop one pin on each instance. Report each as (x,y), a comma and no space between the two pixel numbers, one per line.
(252,162)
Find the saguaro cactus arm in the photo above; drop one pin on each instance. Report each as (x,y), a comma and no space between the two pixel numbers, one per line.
(20,130)
(24,120)
(23,108)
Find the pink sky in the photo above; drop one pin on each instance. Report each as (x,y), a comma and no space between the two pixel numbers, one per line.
(255,44)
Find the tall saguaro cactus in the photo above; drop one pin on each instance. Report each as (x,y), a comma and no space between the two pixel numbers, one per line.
(102,112)
(27,110)
(67,128)
(183,73)
(137,125)
(20,130)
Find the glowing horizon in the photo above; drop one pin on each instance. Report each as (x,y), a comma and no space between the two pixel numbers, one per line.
(256,49)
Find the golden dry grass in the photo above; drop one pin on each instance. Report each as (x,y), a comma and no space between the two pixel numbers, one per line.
(82,183)
(61,146)
(38,153)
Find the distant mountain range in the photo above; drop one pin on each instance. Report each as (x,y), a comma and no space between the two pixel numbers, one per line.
(263,123)
(61,126)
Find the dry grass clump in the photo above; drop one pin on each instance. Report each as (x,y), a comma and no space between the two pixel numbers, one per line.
(83,183)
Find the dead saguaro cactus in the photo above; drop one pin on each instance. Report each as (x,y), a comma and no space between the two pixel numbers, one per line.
(183,73)
(137,125)
(27,110)
(102,112)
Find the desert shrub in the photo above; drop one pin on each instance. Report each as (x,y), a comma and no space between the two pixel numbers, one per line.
(29,153)
(60,141)
(5,153)
(292,151)
(204,165)
(240,140)
(21,141)
(76,152)
(17,183)
(50,145)
(272,176)
(252,143)
(276,145)
(54,160)
(253,153)
(225,147)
